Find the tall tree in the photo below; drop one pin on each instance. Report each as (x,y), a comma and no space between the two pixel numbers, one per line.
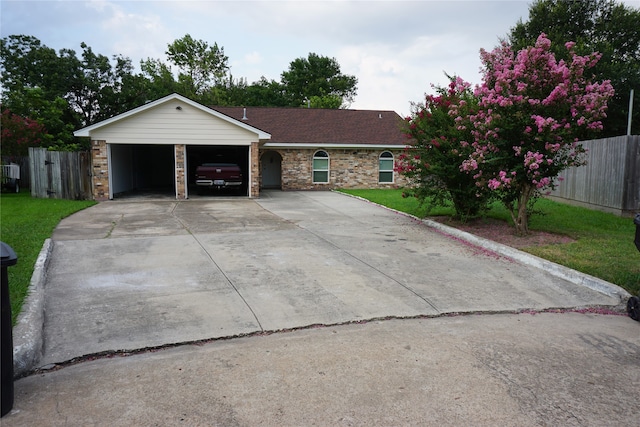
(64,92)
(57,120)
(160,79)
(102,88)
(532,111)
(317,76)
(437,131)
(201,66)
(26,63)
(35,83)
(266,93)
(603,26)
(92,86)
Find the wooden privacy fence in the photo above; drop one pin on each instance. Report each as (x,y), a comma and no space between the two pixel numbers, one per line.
(60,174)
(611,179)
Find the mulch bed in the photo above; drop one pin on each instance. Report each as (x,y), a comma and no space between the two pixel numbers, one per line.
(502,232)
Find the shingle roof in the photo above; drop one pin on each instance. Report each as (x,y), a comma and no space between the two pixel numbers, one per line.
(322,126)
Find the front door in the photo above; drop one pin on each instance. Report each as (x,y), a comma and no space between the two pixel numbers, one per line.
(271,164)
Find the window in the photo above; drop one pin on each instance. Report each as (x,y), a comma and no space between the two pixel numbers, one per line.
(320,167)
(385,168)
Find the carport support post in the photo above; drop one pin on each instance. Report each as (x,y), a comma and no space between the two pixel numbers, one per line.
(254,164)
(181,185)
(100,162)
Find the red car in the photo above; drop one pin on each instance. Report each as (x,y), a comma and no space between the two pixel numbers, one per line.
(218,176)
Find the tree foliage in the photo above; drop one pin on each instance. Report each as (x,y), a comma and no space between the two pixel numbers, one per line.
(317,76)
(52,114)
(101,89)
(514,135)
(64,91)
(533,110)
(262,93)
(203,75)
(200,66)
(159,77)
(438,146)
(605,26)
(18,134)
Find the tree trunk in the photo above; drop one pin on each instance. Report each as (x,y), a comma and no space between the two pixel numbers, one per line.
(522,220)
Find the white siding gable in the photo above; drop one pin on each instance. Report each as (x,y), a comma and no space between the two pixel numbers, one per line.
(173,119)
(166,124)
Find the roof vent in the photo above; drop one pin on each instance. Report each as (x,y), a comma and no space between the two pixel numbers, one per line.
(244,114)
(379,115)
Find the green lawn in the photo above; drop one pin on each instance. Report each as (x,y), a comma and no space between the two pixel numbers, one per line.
(603,244)
(25,223)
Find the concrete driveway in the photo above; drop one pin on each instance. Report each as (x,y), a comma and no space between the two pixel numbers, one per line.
(136,274)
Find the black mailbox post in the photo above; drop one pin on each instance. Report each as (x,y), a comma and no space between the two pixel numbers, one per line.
(9,258)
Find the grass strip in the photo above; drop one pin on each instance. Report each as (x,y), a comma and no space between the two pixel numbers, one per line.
(25,223)
(603,245)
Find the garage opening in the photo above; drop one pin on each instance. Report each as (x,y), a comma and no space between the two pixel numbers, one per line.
(142,170)
(225,154)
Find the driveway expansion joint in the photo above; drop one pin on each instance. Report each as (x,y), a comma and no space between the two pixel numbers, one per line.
(110,354)
(224,274)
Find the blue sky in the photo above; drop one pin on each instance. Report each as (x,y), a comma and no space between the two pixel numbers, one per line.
(396,49)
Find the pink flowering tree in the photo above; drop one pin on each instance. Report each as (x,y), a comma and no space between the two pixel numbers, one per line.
(439,134)
(532,112)
(18,134)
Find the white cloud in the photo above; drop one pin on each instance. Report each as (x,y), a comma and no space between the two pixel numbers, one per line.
(253,58)
(131,34)
(392,76)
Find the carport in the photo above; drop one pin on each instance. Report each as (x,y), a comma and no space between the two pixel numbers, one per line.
(141,168)
(156,148)
(199,154)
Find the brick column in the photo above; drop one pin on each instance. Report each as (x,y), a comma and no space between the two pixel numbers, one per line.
(254,185)
(181,184)
(100,166)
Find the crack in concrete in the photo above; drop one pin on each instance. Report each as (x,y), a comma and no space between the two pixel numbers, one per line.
(114,224)
(110,354)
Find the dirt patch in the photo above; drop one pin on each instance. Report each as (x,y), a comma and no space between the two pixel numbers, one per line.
(502,232)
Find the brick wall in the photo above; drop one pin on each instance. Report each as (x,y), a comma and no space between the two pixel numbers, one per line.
(348,168)
(100,169)
(254,185)
(181,183)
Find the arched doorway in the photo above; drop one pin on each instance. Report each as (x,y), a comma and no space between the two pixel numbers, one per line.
(271,164)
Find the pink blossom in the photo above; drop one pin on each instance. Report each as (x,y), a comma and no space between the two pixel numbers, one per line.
(494,184)
(469,165)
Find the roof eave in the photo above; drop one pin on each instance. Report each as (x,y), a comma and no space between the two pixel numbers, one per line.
(332,145)
(86,131)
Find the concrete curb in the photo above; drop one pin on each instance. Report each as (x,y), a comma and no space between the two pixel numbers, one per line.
(28,332)
(552,268)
